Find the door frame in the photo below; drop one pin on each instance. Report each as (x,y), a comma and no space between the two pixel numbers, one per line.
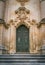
(28,39)
(28,26)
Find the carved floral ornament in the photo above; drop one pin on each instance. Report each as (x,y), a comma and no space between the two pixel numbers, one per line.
(22,14)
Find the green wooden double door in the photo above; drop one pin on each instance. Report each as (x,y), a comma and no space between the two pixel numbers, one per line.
(22,39)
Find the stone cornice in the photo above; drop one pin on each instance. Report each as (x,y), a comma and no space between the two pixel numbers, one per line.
(42,0)
(3,0)
(22,2)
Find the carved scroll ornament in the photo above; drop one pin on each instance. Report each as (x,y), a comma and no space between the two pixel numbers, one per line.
(22,14)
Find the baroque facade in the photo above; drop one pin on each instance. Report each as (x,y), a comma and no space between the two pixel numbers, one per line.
(18,16)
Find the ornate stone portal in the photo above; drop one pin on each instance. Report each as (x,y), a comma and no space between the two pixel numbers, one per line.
(22,17)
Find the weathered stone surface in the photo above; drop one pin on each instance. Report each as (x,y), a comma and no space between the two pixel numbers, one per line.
(1,38)
(16,15)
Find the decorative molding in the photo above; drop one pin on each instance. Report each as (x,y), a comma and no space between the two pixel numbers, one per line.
(3,22)
(22,2)
(22,17)
(22,23)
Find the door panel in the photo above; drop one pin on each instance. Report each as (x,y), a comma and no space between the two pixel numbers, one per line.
(22,39)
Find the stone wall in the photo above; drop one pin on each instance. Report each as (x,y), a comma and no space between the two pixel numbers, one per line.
(35,39)
(16,15)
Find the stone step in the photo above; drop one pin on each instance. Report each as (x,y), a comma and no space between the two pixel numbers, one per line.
(22,56)
(22,59)
(22,64)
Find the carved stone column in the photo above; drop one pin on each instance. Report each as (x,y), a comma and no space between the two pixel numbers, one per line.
(6,39)
(42,33)
(34,39)
(13,40)
(29,39)
(1,31)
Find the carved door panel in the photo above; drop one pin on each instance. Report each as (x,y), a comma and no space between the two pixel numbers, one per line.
(22,39)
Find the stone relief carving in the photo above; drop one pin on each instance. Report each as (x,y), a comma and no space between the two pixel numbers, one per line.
(22,14)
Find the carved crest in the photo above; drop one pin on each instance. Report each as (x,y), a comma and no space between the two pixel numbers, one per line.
(22,14)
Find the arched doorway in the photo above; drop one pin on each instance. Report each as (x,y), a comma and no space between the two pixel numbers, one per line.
(22,39)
